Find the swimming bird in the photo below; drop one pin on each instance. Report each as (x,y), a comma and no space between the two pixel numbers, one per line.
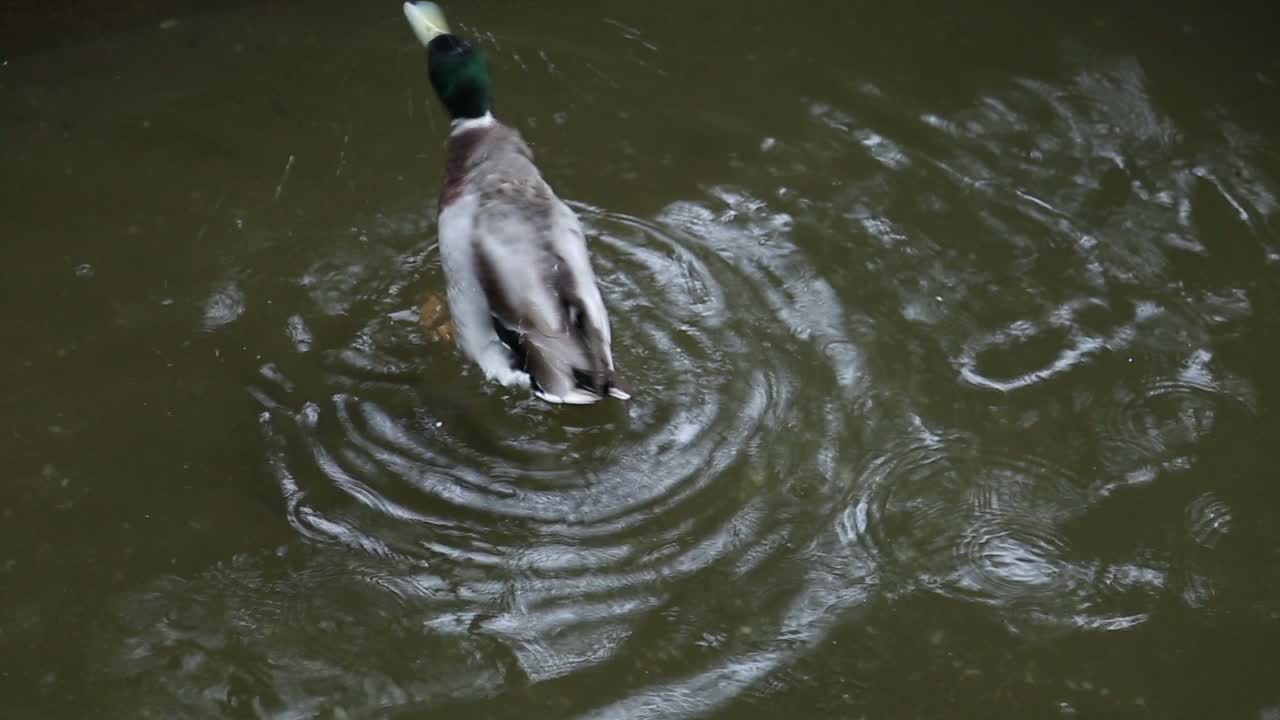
(524,298)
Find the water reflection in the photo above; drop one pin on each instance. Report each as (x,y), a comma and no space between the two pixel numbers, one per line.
(554,532)
(909,352)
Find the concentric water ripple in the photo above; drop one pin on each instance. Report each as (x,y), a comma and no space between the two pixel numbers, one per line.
(1209,519)
(945,515)
(555,530)
(1160,425)
(1009,266)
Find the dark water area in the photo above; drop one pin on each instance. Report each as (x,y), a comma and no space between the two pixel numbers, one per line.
(951,332)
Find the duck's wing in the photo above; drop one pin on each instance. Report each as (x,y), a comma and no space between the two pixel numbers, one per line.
(532,263)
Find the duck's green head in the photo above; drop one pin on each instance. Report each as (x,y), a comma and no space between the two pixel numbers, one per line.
(460,77)
(459,73)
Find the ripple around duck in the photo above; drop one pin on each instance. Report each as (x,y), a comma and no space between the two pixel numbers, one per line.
(554,530)
(589,483)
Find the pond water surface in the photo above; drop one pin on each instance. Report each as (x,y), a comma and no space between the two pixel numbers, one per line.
(951,335)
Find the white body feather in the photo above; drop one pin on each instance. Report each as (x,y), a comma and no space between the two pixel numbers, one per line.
(518,254)
(472,316)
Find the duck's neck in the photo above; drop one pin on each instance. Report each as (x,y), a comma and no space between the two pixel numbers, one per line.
(461,125)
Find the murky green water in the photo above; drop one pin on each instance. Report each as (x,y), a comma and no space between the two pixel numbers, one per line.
(952,333)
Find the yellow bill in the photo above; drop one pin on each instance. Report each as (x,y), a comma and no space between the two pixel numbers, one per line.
(426,19)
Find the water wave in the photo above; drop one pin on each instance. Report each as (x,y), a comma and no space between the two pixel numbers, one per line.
(555,532)
(906,405)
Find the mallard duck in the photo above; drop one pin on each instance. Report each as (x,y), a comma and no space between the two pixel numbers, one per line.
(523,296)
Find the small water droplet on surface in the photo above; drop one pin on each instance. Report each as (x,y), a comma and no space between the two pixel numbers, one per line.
(224,306)
(299,333)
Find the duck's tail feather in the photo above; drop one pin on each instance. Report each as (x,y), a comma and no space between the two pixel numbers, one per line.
(559,383)
(555,377)
(573,368)
(601,379)
(615,391)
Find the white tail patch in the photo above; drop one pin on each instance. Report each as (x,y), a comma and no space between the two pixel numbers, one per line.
(578,396)
(426,19)
(573,397)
